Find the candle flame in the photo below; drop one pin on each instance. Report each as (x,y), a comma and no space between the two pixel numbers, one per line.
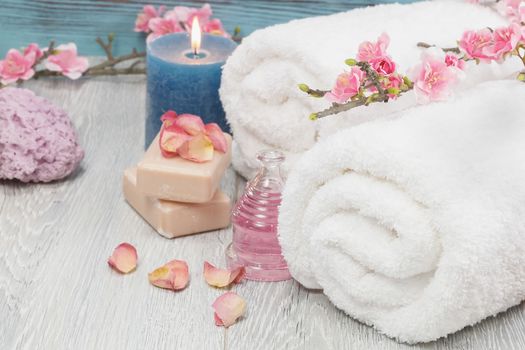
(195,35)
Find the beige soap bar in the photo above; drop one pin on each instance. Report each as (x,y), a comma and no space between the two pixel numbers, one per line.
(178,179)
(173,219)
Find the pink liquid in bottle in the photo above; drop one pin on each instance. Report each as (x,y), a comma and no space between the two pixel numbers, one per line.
(255,245)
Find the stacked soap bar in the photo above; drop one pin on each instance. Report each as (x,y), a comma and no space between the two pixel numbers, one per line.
(178,197)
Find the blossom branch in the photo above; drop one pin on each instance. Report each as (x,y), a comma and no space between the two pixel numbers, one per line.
(312,92)
(94,73)
(338,108)
(445,49)
(108,48)
(373,76)
(109,65)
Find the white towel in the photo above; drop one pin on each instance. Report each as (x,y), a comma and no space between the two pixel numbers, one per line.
(259,84)
(416,225)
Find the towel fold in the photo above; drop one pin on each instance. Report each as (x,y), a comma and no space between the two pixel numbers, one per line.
(259,84)
(416,225)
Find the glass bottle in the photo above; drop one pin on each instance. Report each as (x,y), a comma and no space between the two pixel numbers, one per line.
(254,218)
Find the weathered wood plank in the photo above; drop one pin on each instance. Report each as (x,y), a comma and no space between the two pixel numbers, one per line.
(80,21)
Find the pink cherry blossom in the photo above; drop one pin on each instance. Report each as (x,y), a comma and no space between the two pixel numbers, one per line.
(182,13)
(515,10)
(432,79)
(387,82)
(346,86)
(65,59)
(383,65)
(369,50)
(17,65)
(162,26)
(32,51)
(476,44)
(148,13)
(452,60)
(394,81)
(215,27)
(185,15)
(505,40)
(203,14)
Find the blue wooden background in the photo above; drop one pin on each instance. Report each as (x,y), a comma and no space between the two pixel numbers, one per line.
(24,21)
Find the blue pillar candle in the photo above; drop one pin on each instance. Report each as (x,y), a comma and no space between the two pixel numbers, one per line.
(184,82)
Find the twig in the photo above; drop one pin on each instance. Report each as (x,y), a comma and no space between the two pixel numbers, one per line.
(184,26)
(373,78)
(118,60)
(136,63)
(92,73)
(108,48)
(446,49)
(338,108)
(46,53)
(312,92)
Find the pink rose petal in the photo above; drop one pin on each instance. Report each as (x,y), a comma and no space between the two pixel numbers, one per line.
(217,137)
(124,258)
(228,308)
(173,275)
(190,123)
(170,140)
(220,277)
(199,149)
(169,117)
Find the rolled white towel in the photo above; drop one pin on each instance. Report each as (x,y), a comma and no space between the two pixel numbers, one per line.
(259,84)
(416,225)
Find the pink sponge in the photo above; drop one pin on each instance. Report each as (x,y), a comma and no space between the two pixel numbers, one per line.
(38,142)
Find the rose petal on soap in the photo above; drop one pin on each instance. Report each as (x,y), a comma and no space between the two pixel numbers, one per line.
(171,138)
(169,117)
(124,258)
(190,123)
(220,277)
(228,308)
(199,149)
(173,275)
(217,137)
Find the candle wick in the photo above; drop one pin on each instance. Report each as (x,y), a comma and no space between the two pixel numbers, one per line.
(195,53)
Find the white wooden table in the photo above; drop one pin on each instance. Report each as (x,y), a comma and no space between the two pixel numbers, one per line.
(57,292)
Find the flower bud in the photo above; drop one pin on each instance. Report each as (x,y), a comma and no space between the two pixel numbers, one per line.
(407,82)
(393,91)
(304,87)
(313,116)
(351,62)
